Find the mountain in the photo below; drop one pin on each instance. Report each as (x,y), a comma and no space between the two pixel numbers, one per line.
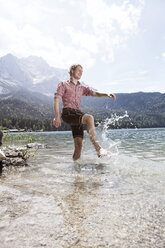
(11,71)
(44,77)
(143,109)
(138,102)
(32,73)
(26,104)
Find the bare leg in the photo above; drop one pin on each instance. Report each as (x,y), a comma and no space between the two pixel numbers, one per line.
(78,148)
(89,121)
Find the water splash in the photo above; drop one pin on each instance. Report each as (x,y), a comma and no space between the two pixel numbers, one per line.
(103,127)
(113,120)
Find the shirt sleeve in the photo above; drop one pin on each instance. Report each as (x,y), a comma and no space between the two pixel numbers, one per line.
(59,91)
(87,91)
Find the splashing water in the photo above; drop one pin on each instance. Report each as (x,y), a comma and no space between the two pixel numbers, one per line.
(104,126)
(113,120)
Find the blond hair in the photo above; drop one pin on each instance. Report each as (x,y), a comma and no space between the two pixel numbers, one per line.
(73,68)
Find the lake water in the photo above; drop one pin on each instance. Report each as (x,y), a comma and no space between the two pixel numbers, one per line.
(116,201)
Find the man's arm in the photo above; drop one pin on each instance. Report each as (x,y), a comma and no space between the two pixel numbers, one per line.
(57,120)
(97,94)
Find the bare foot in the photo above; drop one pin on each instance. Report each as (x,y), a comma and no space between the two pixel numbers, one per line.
(102,152)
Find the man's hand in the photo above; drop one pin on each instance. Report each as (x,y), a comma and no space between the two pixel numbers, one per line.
(112,95)
(57,122)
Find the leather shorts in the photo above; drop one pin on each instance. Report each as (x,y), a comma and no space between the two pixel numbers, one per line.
(73,117)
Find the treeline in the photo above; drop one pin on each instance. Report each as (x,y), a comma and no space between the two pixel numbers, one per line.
(25,109)
(133,121)
(30,125)
(33,111)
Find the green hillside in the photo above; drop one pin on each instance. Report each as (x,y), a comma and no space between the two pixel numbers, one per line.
(34,111)
(144,109)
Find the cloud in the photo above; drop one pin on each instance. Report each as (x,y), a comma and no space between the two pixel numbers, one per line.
(70,55)
(163,55)
(106,26)
(23,41)
(37,28)
(113,24)
(63,32)
(84,40)
(144,72)
(30,40)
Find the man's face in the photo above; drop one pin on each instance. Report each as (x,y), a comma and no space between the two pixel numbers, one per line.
(77,73)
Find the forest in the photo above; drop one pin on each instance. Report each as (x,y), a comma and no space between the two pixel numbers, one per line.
(31,113)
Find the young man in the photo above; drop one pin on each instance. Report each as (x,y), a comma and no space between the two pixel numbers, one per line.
(70,92)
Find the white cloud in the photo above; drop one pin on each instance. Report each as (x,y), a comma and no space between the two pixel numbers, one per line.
(106,27)
(23,41)
(84,40)
(114,24)
(50,30)
(112,83)
(144,72)
(70,55)
(163,55)
(31,41)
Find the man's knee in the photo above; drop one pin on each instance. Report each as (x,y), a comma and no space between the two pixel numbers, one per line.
(87,119)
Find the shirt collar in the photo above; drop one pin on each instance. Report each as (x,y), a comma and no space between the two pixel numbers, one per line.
(70,81)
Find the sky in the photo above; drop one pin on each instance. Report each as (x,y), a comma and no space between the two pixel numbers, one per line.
(119,43)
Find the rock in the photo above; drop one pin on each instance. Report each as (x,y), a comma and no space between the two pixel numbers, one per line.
(20,148)
(36,145)
(17,156)
(11,154)
(14,162)
(18,161)
(13,151)
(2,155)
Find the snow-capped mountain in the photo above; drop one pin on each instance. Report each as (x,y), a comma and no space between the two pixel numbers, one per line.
(32,73)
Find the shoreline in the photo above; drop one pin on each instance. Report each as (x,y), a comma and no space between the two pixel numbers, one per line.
(55,131)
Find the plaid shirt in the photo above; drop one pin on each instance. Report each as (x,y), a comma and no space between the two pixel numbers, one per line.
(71,94)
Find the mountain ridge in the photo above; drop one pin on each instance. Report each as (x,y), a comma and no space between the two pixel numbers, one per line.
(32,72)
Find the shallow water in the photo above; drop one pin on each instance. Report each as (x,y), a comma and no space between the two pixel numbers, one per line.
(116,201)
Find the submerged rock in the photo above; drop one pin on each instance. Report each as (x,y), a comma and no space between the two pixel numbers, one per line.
(15,162)
(36,145)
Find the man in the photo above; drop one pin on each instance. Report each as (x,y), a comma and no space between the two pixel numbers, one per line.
(70,92)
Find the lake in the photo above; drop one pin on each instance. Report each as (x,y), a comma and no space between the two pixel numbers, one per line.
(115,201)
